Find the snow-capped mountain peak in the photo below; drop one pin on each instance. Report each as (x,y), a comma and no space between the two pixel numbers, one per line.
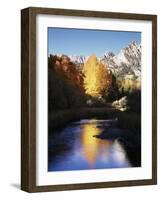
(78,59)
(126,62)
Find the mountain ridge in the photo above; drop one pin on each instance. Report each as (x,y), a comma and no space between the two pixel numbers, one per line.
(126,62)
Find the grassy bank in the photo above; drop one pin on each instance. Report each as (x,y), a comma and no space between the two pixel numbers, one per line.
(61,118)
(126,120)
(132,142)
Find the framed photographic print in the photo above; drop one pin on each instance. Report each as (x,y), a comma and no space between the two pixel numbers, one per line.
(89,99)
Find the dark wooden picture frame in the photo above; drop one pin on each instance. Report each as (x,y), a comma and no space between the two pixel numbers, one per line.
(28,98)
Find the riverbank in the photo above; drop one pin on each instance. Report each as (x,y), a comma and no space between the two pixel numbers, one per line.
(126,120)
(59,119)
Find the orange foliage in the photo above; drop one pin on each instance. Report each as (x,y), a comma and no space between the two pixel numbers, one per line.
(64,66)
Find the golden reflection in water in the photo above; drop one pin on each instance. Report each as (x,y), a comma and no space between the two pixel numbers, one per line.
(93,147)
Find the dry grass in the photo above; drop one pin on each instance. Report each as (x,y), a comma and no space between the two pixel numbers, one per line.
(61,118)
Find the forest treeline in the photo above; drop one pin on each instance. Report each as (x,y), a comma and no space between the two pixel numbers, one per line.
(95,85)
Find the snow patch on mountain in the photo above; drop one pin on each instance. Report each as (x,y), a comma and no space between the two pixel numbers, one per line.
(127,61)
(78,59)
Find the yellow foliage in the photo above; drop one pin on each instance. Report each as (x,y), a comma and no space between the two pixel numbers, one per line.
(97,77)
(130,84)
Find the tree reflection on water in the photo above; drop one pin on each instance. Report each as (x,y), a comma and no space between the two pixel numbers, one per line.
(75,148)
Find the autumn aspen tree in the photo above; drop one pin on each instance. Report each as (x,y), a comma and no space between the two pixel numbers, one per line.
(97,77)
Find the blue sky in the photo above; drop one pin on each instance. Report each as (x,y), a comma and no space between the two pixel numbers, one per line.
(86,42)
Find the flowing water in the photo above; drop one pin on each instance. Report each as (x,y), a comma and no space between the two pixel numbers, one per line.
(76,148)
